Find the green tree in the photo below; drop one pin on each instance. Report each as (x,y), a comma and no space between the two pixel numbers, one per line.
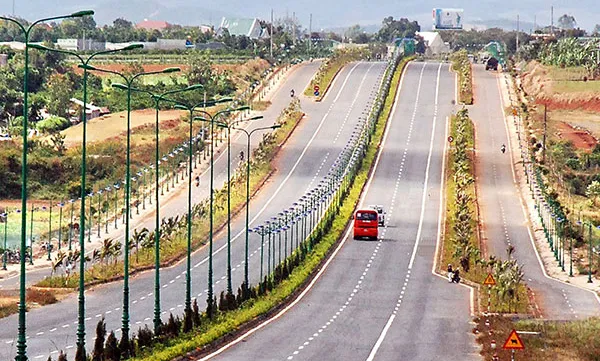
(60,90)
(593,191)
(391,29)
(567,22)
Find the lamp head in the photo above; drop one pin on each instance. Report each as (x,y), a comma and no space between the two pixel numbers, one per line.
(195,86)
(180,107)
(202,119)
(133,47)
(87,67)
(170,70)
(120,86)
(223,100)
(245,107)
(79,14)
(276,126)
(257,117)
(38,46)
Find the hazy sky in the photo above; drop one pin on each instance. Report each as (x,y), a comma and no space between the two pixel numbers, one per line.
(328,13)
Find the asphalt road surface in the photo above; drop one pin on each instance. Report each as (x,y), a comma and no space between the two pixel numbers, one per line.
(502,214)
(304,160)
(378,300)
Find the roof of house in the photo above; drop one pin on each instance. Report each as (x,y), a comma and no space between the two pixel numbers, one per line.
(238,27)
(153,25)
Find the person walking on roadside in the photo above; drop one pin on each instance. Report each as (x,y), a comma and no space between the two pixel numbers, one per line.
(450,272)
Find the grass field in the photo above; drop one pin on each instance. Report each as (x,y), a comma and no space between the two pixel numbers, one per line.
(112,125)
(575,86)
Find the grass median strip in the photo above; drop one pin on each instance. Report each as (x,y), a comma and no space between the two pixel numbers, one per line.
(462,66)
(461,241)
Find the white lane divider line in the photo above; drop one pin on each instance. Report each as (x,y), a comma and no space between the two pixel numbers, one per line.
(390,321)
(382,237)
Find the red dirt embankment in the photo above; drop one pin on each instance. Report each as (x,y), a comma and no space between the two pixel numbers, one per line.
(581,138)
(538,83)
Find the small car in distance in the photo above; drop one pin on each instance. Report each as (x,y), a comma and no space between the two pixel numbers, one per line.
(380,214)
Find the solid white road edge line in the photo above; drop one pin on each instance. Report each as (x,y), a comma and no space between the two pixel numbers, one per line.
(523,207)
(440,224)
(322,270)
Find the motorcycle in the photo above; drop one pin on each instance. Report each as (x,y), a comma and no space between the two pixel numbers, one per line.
(503,148)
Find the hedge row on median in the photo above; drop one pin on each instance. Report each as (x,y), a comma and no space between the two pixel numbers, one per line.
(462,66)
(461,241)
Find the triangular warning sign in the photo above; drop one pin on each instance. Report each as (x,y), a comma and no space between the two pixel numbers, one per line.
(513,342)
(489,280)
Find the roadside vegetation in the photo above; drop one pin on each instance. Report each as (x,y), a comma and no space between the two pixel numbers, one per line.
(562,83)
(462,66)
(560,341)
(106,264)
(461,243)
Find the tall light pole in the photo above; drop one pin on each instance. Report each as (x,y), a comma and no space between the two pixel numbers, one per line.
(128,87)
(229,126)
(157,99)
(212,119)
(22,339)
(5,217)
(248,136)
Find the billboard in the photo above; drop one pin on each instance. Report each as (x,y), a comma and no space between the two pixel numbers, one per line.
(449,19)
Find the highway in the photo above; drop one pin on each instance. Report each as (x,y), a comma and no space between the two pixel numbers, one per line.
(502,214)
(304,160)
(378,300)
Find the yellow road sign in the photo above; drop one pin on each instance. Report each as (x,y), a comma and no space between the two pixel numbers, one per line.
(489,280)
(513,342)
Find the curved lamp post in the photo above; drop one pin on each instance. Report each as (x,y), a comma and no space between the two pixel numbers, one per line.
(212,119)
(81,298)
(5,217)
(248,136)
(157,99)
(128,87)
(590,254)
(21,341)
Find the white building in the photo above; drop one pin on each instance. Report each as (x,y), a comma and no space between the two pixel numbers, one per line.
(244,27)
(433,43)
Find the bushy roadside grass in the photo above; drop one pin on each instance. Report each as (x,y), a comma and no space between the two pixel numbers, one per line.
(210,331)
(556,341)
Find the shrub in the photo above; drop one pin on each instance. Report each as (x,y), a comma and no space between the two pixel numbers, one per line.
(98,352)
(53,124)
(111,350)
(145,336)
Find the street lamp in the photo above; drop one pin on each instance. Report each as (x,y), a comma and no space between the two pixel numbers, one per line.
(128,87)
(590,254)
(22,340)
(212,119)
(5,217)
(157,161)
(248,136)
